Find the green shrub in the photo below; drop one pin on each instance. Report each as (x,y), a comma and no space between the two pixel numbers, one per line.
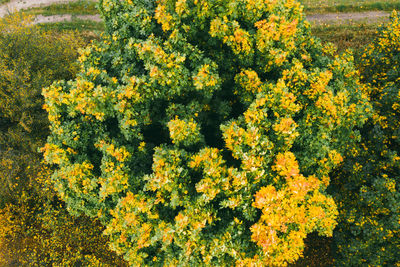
(37,230)
(35,227)
(367,185)
(29,60)
(202,132)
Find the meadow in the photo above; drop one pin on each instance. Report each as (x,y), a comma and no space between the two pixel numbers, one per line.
(324,6)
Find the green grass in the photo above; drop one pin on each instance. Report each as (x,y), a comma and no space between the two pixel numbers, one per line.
(87,30)
(75,24)
(81,7)
(324,6)
(355,36)
(4,1)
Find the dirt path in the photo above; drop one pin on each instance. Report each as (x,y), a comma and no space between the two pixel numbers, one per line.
(65,17)
(318,19)
(16,5)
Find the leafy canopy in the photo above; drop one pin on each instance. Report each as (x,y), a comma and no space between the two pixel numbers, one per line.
(203,132)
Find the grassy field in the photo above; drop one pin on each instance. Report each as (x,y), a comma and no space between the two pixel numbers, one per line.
(354,36)
(81,7)
(311,6)
(88,26)
(324,6)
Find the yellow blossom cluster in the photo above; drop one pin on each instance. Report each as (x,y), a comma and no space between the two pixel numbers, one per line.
(183,132)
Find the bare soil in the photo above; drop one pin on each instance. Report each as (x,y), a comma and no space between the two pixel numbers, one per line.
(17,5)
(65,17)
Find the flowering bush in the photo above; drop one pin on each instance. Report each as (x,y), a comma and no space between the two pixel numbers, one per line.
(203,132)
(367,186)
(35,228)
(29,60)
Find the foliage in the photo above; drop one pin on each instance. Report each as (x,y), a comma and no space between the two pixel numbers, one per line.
(35,228)
(367,185)
(317,252)
(29,60)
(202,132)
